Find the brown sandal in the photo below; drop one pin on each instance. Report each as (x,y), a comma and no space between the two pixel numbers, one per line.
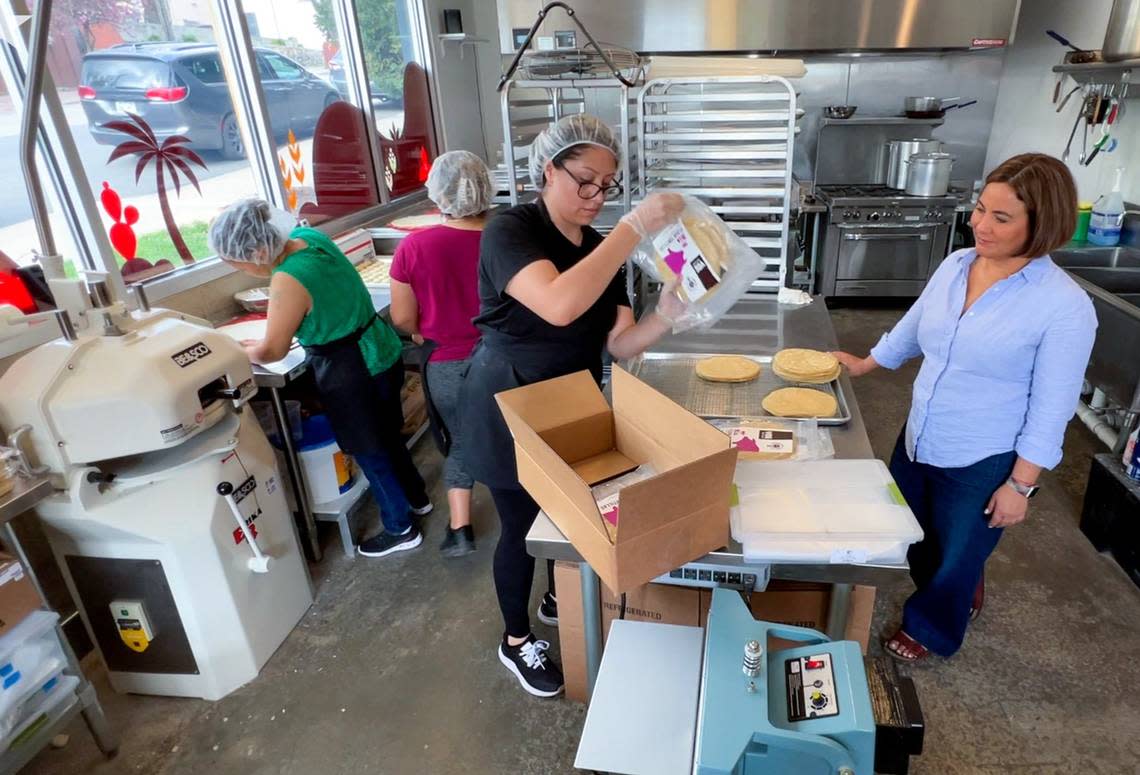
(904,648)
(979,598)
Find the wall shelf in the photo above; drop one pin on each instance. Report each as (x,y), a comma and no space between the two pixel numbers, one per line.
(882,121)
(1100,72)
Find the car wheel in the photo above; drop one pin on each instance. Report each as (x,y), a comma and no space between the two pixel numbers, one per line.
(232,146)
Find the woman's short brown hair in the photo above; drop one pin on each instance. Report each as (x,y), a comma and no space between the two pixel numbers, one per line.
(1047,190)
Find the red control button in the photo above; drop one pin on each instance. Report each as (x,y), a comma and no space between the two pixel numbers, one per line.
(813,664)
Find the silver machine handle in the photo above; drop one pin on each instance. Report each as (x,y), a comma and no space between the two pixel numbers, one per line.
(259,562)
(859,237)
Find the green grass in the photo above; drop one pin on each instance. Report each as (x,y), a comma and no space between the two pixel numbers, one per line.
(156,245)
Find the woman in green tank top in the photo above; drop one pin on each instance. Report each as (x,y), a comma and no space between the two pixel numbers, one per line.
(317,296)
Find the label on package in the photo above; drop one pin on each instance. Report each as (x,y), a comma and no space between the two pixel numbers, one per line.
(14,572)
(765,440)
(608,506)
(680,253)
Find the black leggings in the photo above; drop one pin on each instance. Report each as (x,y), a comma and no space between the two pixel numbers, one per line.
(514,568)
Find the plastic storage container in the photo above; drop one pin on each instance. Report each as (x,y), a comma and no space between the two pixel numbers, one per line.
(830,511)
(329,473)
(50,706)
(1108,215)
(30,657)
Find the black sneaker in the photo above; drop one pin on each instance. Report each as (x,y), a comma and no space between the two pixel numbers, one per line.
(384,543)
(458,542)
(548,610)
(530,663)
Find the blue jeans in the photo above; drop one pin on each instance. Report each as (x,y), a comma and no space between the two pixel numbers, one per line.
(946,565)
(386,489)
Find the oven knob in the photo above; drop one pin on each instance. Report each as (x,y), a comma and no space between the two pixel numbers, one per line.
(873,217)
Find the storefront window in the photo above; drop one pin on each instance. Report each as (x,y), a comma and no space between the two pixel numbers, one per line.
(401,103)
(322,143)
(149,109)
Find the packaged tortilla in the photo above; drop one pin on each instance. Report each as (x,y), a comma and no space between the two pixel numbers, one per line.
(714,267)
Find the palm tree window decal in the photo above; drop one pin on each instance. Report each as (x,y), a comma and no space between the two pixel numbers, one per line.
(170,157)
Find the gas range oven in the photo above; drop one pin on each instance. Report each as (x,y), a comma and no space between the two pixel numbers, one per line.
(880,241)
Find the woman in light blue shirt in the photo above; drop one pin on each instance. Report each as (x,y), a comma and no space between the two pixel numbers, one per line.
(1005,337)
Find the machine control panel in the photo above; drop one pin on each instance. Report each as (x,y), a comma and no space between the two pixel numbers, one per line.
(810,683)
(752,578)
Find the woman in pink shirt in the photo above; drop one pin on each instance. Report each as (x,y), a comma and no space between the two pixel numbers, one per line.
(435,294)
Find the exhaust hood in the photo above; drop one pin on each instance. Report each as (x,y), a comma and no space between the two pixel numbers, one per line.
(722,26)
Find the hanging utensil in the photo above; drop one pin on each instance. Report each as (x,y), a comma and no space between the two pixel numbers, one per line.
(1065,101)
(1076,122)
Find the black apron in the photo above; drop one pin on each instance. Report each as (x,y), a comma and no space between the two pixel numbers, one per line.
(489,449)
(349,392)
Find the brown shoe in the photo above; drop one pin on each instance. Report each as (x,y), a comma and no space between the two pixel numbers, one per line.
(979,598)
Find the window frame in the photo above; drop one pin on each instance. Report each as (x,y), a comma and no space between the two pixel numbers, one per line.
(240,65)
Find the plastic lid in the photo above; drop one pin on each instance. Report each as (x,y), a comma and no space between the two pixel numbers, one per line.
(1083,205)
(315,433)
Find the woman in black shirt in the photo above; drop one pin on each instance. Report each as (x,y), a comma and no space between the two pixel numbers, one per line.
(552,296)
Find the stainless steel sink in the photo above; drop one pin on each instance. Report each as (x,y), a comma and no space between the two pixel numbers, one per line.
(1116,270)
(1118,280)
(1120,257)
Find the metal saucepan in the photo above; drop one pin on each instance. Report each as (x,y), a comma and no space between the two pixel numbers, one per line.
(928,174)
(839,111)
(931,107)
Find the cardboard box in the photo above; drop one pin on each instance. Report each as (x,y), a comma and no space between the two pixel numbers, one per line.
(656,603)
(567,438)
(18,596)
(788,602)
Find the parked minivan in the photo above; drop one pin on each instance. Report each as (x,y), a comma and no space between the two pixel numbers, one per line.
(180,89)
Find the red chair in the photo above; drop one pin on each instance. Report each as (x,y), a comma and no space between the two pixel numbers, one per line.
(342,167)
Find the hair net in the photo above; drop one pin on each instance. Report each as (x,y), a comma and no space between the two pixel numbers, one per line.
(460,184)
(250,230)
(579,129)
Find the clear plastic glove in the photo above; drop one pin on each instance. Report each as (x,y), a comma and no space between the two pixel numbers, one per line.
(654,213)
(669,304)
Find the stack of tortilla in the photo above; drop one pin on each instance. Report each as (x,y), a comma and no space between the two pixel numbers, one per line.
(807,366)
(810,367)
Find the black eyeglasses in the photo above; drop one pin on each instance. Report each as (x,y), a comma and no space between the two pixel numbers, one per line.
(588,189)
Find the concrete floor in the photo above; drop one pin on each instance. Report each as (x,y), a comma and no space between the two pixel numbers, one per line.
(393,670)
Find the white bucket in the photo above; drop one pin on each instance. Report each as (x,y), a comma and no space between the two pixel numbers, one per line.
(328,472)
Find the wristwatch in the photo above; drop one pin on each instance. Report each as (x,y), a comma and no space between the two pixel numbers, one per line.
(1028,490)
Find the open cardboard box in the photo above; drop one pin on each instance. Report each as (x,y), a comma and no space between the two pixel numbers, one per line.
(567,439)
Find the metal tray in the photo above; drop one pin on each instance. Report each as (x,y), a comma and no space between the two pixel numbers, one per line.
(675,375)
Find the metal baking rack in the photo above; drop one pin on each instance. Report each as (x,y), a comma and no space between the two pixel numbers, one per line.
(675,375)
(727,140)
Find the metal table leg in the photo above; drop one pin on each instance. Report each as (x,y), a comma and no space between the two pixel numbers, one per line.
(592,624)
(96,721)
(837,611)
(308,523)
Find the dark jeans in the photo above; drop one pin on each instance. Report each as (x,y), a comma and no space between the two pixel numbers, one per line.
(949,504)
(390,472)
(513,567)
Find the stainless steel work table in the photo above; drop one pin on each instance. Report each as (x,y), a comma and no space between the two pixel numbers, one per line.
(757,325)
(274,382)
